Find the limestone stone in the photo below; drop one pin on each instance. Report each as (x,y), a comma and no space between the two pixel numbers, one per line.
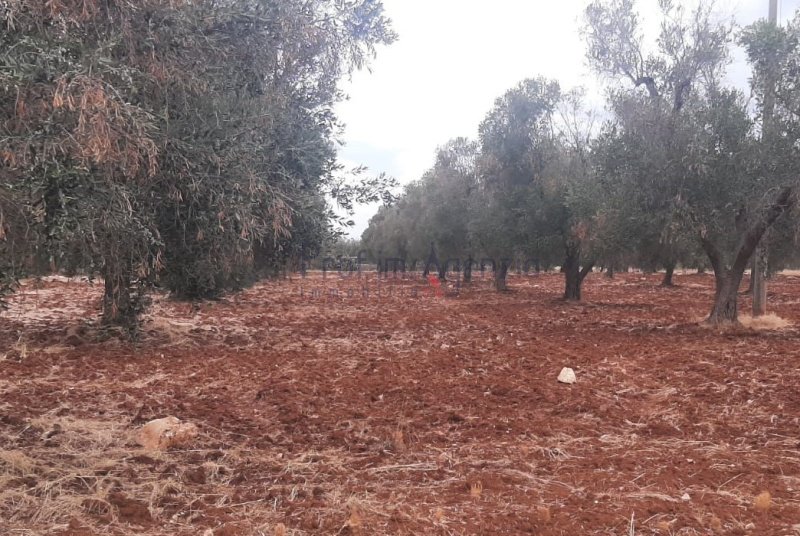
(161,434)
(567,375)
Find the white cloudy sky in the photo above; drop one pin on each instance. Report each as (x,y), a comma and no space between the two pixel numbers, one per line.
(454,57)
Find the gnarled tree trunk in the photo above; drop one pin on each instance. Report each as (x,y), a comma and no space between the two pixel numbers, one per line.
(433,260)
(118,306)
(574,274)
(443,272)
(725,309)
(669,268)
(500,273)
(468,271)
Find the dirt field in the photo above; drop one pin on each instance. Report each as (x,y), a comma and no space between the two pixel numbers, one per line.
(403,414)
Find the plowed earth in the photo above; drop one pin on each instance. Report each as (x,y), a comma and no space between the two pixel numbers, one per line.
(377,413)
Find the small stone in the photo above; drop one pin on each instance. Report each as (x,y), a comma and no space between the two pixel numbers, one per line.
(567,375)
(686,497)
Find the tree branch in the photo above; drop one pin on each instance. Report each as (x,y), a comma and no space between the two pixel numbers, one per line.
(586,269)
(714,256)
(649,83)
(752,237)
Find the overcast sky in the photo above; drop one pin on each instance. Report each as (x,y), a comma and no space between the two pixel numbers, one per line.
(453,58)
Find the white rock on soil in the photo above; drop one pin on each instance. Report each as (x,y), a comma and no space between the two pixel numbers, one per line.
(168,432)
(567,375)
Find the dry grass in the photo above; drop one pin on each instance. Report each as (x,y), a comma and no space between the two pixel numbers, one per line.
(475,490)
(18,351)
(766,322)
(337,443)
(92,479)
(53,492)
(16,463)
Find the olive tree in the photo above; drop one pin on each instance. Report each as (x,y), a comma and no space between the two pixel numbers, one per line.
(175,140)
(686,150)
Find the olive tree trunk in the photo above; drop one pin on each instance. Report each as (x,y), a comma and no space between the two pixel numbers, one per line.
(574,274)
(500,276)
(468,271)
(727,279)
(118,303)
(668,273)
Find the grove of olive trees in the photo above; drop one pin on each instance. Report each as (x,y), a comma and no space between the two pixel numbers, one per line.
(192,343)
(186,144)
(683,170)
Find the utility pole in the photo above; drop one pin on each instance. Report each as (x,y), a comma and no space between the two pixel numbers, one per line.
(759,273)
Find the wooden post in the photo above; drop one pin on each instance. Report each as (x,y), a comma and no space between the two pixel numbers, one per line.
(759,274)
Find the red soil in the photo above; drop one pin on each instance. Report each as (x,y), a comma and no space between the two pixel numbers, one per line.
(402,414)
